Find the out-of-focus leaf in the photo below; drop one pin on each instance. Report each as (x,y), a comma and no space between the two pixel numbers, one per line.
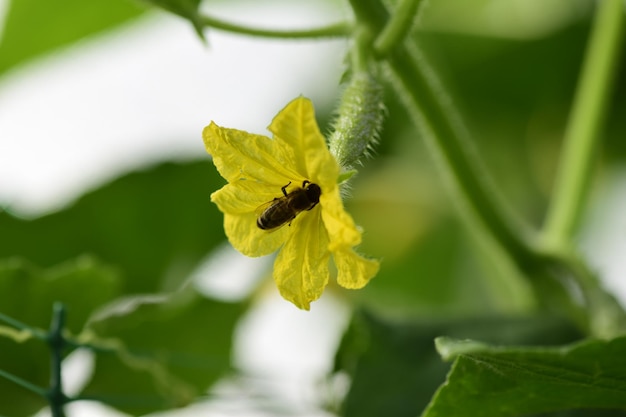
(395,368)
(154,225)
(169,352)
(520,380)
(27,294)
(428,276)
(34,27)
(187,9)
(431,262)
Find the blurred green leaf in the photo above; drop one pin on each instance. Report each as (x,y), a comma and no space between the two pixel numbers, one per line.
(154,225)
(433,263)
(34,27)
(171,352)
(395,368)
(523,380)
(187,9)
(27,294)
(427,277)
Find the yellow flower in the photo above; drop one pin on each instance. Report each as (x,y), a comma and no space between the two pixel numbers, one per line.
(257,168)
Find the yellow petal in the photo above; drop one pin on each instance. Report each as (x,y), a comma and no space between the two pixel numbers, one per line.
(301,267)
(296,127)
(353,270)
(247,238)
(244,196)
(341,229)
(240,155)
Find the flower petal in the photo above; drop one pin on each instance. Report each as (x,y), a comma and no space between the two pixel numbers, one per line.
(244,196)
(239,155)
(341,229)
(301,267)
(247,238)
(296,127)
(353,270)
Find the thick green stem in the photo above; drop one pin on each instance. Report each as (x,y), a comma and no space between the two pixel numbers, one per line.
(440,124)
(397,28)
(549,268)
(585,122)
(341,29)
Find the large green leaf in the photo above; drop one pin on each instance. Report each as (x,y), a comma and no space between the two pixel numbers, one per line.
(395,368)
(154,225)
(515,381)
(27,294)
(34,27)
(167,352)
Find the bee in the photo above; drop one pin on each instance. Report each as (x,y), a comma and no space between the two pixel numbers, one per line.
(282,210)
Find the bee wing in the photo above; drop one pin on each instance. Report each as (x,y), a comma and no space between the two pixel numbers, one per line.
(261,209)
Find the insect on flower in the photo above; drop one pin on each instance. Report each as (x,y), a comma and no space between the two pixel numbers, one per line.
(255,166)
(282,210)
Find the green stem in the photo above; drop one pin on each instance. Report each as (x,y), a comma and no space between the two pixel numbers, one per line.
(56,341)
(23,383)
(341,29)
(361,53)
(397,28)
(604,316)
(547,267)
(585,122)
(441,125)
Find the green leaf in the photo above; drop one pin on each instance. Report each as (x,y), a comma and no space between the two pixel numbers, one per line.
(445,269)
(526,380)
(395,368)
(155,226)
(402,285)
(187,9)
(33,27)
(27,294)
(167,352)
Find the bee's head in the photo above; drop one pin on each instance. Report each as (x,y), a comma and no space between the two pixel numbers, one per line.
(313,192)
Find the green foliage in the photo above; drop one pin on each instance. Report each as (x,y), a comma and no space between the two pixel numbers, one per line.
(426,278)
(152,353)
(522,380)
(27,294)
(154,226)
(35,27)
(166,354)
(395,368)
